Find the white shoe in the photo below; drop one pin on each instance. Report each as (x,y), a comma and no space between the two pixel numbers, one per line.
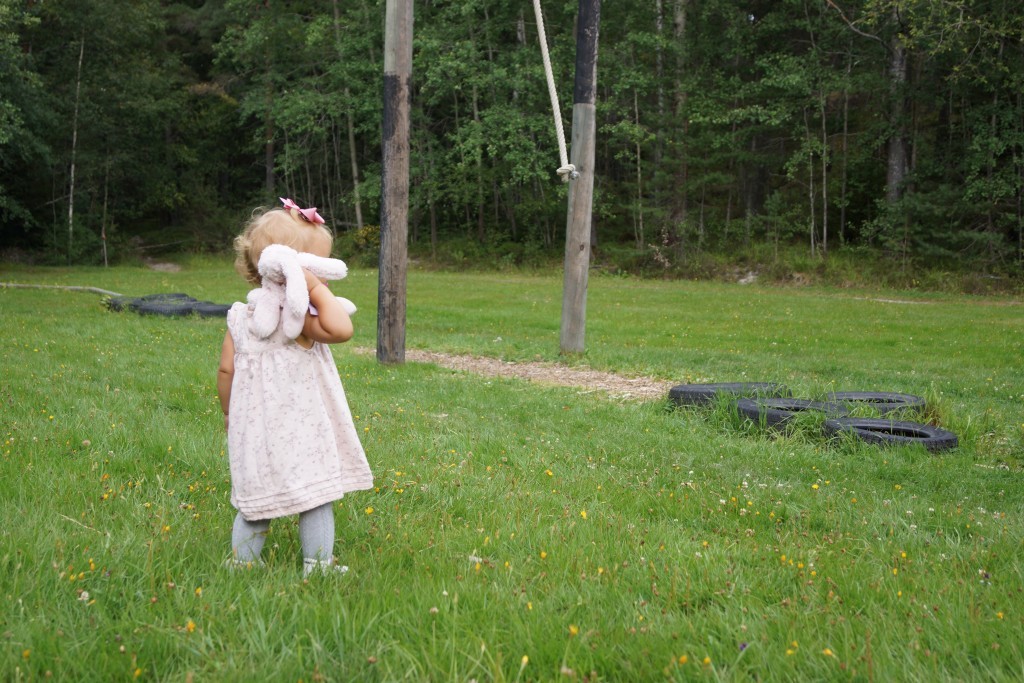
(322,567)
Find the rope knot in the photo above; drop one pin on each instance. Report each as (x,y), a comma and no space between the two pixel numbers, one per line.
(568,171)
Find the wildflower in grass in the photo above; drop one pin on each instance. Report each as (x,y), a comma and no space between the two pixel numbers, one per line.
(543,555)
(369,510)
(828,653)
(814,486)
(683,659)
(190,626)
(574,630)
(25,654)
(199,592)
(707,661)
(549,473)
(138,672)
(583,514)
(523,662)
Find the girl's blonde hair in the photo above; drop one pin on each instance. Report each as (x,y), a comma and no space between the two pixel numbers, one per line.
(275,226)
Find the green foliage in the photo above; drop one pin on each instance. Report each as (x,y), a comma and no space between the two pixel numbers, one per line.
(720,124)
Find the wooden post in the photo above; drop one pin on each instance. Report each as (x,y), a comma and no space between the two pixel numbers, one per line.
(581,190)
(394,212)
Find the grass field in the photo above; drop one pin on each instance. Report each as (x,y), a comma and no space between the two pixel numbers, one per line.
(520,532)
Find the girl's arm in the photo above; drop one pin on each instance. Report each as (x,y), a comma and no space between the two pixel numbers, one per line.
(332,325)
(225,374)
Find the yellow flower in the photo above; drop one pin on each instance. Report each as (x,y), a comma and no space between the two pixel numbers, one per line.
(543,555)
(574,630)
(199,592)
(190,626)
(827,652)
(524,661)
(707,661)
(583,514)
(683,659)
(369,510)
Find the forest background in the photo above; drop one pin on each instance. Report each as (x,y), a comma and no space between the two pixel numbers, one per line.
(771,136)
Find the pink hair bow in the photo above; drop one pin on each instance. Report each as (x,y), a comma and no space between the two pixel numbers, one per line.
(309,215)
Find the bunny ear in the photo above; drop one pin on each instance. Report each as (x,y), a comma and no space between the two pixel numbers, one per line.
(266,303)
(326,268)
(296,299)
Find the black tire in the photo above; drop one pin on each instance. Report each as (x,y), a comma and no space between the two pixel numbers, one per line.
(206,309)
(883,401)
(167,309)
(167,298)
(893,432)
(776,412)
(173,304)
(702,394)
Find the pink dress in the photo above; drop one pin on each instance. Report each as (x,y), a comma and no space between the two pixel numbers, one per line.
(292,444)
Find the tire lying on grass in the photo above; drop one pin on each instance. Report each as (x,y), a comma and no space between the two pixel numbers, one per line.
(883,401)
(175,304)
(892,432)
(776,412)
(702,394)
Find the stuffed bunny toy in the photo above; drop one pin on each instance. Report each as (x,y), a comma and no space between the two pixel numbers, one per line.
(283,298)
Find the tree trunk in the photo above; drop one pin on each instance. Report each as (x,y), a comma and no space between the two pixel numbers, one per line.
(810,182)
(353,157)
(680,207)
(394,223)
(581,190)
(354,160)
(74,148)
(845,164)
(824,176)
(639,179)
(480,232)
(103,218)
(896,168)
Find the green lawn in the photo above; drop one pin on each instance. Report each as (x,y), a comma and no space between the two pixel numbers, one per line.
(520,532)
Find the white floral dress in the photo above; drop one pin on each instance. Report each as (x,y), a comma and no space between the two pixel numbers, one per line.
(292,444)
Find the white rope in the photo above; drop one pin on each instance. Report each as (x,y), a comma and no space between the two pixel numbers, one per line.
(566,170)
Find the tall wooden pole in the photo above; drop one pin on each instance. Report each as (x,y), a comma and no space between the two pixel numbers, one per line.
(581,189)
(394,214)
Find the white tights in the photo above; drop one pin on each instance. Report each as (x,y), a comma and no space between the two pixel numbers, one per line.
(316,533)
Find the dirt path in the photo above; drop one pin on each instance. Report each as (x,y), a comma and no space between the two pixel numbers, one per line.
(616,386)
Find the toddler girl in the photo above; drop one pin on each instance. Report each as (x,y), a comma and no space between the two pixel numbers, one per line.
(292,445)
